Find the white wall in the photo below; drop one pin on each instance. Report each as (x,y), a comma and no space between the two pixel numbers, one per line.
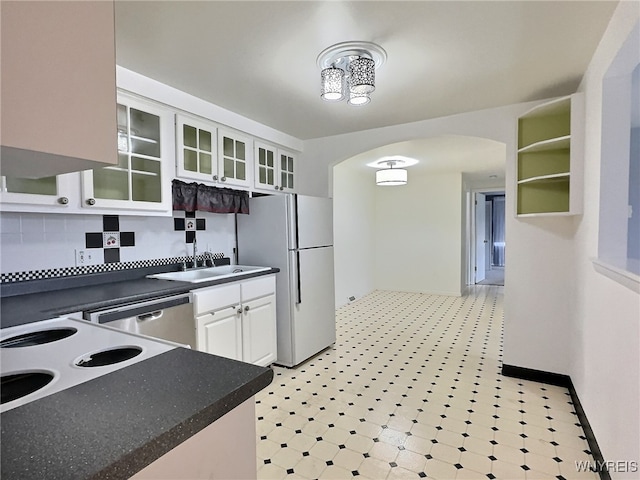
(319,155)
(354,231)
(539,290)
(316,178)
(396,238)
(605,366)
(418,233)
(36,241)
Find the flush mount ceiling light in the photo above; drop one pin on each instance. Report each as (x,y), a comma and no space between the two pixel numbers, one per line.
(349,71)
(389,174)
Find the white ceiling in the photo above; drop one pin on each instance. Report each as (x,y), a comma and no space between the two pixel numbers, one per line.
(258,58)
(479,158)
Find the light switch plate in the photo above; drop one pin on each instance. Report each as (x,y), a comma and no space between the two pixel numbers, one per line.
(89,257)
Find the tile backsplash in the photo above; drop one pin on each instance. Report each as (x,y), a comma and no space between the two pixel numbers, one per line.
(35,241)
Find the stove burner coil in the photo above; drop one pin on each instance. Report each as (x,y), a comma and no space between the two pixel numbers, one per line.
(38,337)
(17,385)
(109,357)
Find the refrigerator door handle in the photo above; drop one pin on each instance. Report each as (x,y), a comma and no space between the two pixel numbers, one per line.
(292,220)
(299,289)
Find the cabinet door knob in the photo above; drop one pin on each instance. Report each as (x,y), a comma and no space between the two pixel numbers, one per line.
(215,177)
(246,309)
(224,179)
(281,188)
(91,201)
(239,312)
(63,200)
(277,188)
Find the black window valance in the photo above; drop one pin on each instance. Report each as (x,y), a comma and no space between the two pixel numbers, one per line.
(198,196)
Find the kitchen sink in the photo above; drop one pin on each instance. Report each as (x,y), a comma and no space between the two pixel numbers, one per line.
(207,274)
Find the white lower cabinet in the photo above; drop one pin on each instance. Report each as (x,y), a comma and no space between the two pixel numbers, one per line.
(238,320)
(259,331)
(220,332)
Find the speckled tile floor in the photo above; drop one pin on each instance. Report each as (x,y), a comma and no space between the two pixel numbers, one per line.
(412,389)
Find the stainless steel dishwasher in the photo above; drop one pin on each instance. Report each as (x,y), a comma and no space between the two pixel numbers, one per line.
(169,318)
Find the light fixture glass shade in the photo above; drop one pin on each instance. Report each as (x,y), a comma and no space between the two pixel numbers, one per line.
(332,82)
(358,99)
(391,176)
(362,75)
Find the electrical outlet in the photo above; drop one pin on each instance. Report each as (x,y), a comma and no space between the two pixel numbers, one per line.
(88,257)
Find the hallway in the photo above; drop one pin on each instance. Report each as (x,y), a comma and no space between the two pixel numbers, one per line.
(495,276)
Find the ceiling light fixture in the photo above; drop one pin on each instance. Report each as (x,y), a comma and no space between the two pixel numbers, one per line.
(358,99)
(388,174)
(391,176)
(349,71)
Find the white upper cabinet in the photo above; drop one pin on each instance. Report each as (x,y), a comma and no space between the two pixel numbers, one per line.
(207,153)
(287,170)
(265,173)
(235,158)
(196,149)
(274,169)
(141,179)
(55,193)
(58,87)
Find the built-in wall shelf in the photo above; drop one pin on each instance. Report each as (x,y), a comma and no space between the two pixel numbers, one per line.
(549,163)
(550,214)
(557,177)
(544,145)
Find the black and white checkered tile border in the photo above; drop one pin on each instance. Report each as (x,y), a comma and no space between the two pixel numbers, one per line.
(14,277)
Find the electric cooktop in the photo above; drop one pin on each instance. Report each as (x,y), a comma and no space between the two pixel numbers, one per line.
(42,358)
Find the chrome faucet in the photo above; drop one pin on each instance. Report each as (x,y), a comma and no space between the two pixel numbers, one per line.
(195,253)
(208,259)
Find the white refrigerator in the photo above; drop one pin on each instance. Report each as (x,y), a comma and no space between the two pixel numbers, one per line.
(295,234)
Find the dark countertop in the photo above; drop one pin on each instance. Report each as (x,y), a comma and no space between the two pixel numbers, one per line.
(117,424)
(43,305)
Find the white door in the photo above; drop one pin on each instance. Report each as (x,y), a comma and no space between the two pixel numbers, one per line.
(488,235)
(481,239)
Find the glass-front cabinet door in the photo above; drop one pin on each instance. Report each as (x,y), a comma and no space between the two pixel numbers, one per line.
(274,168)
(265,174)
(235,156)
(287,170)
(197,149)
(55,192)
(140,180)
